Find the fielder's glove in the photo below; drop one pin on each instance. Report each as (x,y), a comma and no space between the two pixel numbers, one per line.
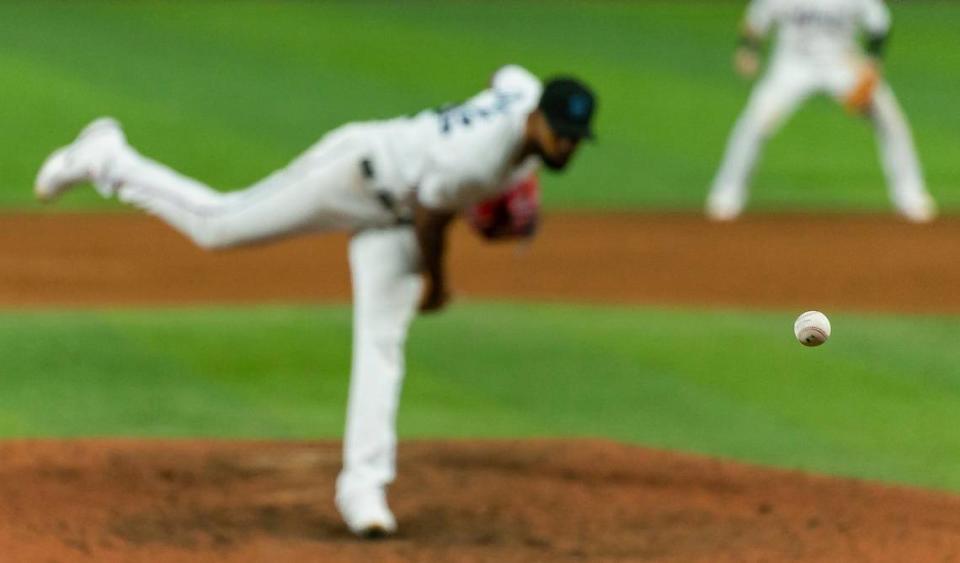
(861,96)
(510,216)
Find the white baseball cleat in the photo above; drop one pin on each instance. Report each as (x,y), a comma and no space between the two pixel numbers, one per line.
(80,161)
(920,209)
(723,207)
(367,514)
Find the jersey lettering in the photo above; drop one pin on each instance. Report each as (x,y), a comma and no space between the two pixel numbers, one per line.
(816,18)
(467,113)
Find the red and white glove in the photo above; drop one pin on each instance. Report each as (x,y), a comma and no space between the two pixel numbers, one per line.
(510,216)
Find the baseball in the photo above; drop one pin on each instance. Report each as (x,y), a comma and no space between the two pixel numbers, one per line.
(812,328)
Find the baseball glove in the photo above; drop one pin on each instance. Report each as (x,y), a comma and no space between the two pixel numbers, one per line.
(510,216)
(861,96)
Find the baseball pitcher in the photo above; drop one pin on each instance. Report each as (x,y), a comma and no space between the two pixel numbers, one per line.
(396,185)
(818,50)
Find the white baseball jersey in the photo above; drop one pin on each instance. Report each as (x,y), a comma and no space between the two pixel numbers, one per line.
(820,29)
(453,157)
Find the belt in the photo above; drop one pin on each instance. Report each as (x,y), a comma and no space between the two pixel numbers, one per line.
(386,199)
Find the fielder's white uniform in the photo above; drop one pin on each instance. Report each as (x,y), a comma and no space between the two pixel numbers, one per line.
(364,178)
(817,51)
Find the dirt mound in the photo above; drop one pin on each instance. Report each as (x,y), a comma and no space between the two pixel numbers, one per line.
(117,500)
(865,262)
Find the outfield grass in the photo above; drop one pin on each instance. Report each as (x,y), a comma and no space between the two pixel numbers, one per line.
(877,401)
(229,92)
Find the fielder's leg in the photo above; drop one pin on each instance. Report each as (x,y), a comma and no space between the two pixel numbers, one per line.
(386,287)
(773,100)
(905,182)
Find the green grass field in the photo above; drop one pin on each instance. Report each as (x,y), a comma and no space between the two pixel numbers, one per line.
(878,401)
(230,94)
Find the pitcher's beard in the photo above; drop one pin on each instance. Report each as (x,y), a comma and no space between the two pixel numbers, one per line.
(554,163)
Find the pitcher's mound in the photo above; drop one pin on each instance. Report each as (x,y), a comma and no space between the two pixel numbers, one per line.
(543,500)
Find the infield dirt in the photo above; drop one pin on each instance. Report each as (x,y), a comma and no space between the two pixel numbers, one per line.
(129,500)
(868,262)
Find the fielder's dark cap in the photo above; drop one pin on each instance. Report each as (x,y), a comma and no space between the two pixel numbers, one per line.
(568,105)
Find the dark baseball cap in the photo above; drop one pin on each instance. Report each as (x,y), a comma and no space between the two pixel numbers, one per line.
(568,105)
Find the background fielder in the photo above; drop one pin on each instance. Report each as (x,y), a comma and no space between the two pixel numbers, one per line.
(818,51)
(395,184)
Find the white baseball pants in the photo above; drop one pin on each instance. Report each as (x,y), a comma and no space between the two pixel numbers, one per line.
(386,287)
(776,97)
(322,190)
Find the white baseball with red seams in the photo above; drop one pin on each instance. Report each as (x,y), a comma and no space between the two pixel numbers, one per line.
(812,328)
